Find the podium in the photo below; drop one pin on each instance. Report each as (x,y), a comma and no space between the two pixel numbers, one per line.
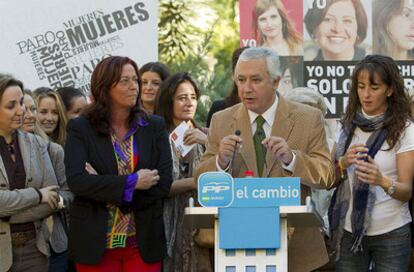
(250,258)
(259,260)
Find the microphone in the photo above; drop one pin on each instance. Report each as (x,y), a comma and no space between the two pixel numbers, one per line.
(238,133)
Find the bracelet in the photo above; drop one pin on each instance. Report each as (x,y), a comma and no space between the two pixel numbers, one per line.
(342,164)
(39,193)
(341,167)
(391,190)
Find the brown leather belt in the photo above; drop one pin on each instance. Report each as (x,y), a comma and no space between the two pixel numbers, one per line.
(21,238)
(22,233)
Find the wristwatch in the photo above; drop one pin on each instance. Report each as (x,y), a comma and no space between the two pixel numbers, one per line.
(391,189)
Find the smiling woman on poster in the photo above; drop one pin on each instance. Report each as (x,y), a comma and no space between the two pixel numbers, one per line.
(274,29)
(393,28)
(338,29)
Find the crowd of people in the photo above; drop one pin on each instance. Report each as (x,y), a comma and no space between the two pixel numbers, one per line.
(100,185)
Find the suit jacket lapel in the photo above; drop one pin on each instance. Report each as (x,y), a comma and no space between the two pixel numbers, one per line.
(3,170)
(242,123)
(107,153)
(282,127)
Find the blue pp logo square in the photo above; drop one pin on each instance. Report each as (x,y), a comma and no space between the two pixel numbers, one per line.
(215,189)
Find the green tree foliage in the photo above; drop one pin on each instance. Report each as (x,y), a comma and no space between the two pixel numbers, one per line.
(175,33)
(226,33)
(204,53)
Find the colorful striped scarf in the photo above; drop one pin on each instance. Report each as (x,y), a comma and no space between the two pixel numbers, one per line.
(121,225)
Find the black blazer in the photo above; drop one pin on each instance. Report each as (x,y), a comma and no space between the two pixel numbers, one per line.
(88,212)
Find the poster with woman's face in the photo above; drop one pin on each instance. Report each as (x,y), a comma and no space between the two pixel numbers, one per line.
(393,28)
(337,30)
(321,41)
(277,24)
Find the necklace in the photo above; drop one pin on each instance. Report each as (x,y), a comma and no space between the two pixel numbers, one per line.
(10,147)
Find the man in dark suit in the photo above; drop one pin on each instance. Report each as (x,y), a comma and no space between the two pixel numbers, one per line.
(278,139)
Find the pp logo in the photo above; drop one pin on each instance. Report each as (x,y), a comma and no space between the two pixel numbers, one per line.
(215,189)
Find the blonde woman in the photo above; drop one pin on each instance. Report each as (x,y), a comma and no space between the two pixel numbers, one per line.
(58,241)
(51,114)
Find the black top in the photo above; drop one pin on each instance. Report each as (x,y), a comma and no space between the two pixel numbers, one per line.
(14,169)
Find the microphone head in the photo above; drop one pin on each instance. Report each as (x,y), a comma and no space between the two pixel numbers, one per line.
(237,132)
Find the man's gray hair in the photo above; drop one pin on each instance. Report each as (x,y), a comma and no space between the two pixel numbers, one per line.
(272,59)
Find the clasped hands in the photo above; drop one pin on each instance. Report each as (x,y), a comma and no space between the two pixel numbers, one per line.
(365,167)
(50,195)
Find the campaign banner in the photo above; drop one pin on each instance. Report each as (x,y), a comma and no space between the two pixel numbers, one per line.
(261,20)
(59,43)
(407,72)
(266,192)
(249,215)
(333,80)
(330,37)
(219,189)
(337,30)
